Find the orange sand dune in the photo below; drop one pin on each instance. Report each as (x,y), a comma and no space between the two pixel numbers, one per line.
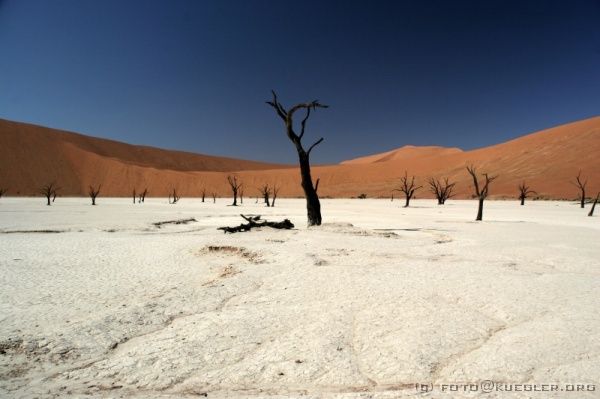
(31,156)
(405,153)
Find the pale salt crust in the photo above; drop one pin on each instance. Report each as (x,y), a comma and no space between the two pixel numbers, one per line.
(376,300)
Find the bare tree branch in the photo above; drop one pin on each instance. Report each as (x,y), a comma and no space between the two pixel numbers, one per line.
(93,193)
(524,192)
(236,187)
(304,123)
(441,190)
(408,188)
(313,205)
(483,193)
(581,185)
(48,191)
(314,145)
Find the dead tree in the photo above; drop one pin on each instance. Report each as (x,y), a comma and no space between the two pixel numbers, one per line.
(235,187)
(265,191)
(214,197)
(524,191)
(313,205)
(49,191)
(2,191)
(175,198)
(581,186)
(142,196)
(255,221)
(134,196)
(443,190)
(594,205)
(203,193)
(480,193)
(54,194)
(93,193)
(241,195)
(275,191)
(408,188)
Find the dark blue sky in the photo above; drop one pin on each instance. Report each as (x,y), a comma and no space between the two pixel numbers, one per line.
(194,75)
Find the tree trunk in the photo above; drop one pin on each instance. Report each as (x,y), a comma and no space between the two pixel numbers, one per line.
(583,199)
(480,210)
(407,201)
(313,205)
(48,198)
(594,205)
(234,198)
(522,200)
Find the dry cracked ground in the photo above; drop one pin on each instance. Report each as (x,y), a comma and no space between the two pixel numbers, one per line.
(103,302)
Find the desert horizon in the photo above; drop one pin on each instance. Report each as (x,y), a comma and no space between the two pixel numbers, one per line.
(120,168)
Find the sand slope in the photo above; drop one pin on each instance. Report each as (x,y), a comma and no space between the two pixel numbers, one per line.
(31,156)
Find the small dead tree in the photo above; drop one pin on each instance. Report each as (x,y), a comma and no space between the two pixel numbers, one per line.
(480,193)
(408,188)
(2,191)
(134,196)
(594,205)
(313,205)
(443,190)
(524,192)
(142,196)
(49,191)
(235,187)
(203,193)
(580,184)
(241,195)
(275,191)
(265,191)
(214,197)
(93,193)
(174,198)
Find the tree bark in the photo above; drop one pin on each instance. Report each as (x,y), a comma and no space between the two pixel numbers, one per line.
(313,205)
(480,210)
(594,205)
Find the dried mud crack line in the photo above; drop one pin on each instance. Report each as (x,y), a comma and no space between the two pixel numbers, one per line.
(437,368)
(355,358)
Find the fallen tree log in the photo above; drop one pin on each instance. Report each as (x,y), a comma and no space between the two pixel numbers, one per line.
(178,221)
(255,221)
